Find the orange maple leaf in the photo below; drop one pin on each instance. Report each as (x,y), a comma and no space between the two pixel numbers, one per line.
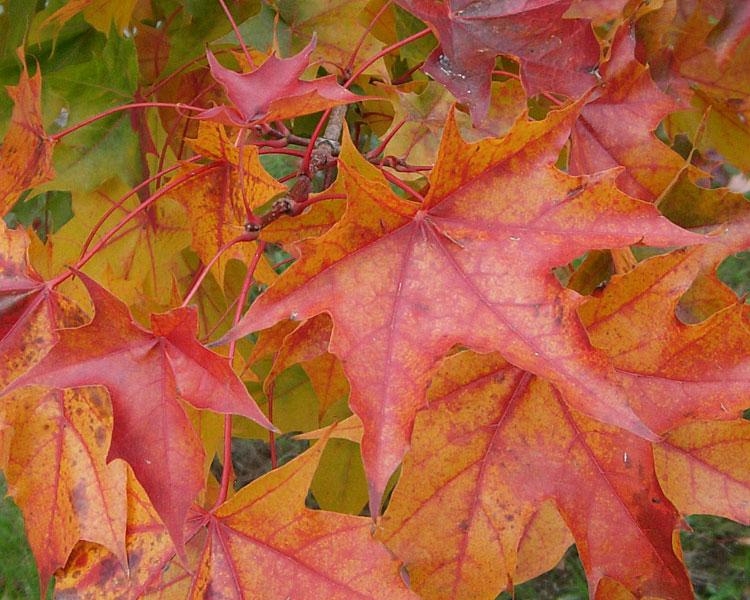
(262,543)
(470,265)
(494,445)
(26,157)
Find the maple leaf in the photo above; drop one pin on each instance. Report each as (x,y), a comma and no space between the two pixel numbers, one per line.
(489,426)
(726,130)
(263,543)
(57,473)
(79,90)
(702,55)
(418,138)
(616,126)
(145,372)
(508,457)
(195,85)
(673,372)
(328,555)
(131,264)
(153,47)
(274,91)
(401,280)
(708,47)
(323,20)
(556,55)
(26,158)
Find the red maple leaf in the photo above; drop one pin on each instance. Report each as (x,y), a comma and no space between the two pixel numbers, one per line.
(556,55)
(145,373)
(616,126)
(274,91)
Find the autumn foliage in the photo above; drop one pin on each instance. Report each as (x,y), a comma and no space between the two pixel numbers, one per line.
(467,249)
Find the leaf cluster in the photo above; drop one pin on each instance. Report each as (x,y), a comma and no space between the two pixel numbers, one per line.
(453,263)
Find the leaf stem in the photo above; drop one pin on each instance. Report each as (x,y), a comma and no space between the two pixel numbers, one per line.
(226,461)
(245,237)
(110,234)
(388,138)
(398,183)
(311,201)
(174,74)
(237,33)
(173,129)
(357,48)
(226,465)
(286,261)
(385,51)
(271,436)
(405,77)
(219,321)
(288,151)
(176,105)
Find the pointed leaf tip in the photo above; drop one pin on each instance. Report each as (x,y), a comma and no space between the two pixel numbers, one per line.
(274,91)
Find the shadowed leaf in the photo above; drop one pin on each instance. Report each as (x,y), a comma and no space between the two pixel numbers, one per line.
(556,55)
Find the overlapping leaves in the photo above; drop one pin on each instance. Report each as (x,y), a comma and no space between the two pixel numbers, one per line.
(400,279)
(524,416)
